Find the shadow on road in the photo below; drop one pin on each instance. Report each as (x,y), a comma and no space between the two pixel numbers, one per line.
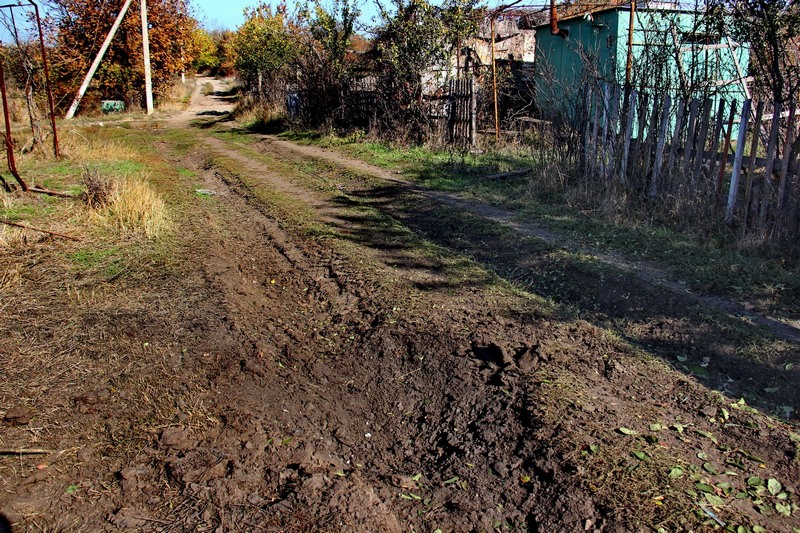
(700,342)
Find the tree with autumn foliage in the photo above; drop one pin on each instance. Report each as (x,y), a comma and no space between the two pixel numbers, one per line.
(78,28)
(326,63)
(263,48)
(212,51)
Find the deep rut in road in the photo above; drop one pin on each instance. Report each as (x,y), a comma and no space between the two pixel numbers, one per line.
(377,397)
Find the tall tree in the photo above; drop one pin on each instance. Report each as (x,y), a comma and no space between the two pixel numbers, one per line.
(79,27)
(263,48)
(415,42)
(326,62)
(772,30)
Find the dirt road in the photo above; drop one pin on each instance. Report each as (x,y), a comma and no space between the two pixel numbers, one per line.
(326,350)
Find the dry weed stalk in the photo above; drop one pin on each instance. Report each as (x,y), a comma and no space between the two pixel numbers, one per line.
(127,204)
(99,192)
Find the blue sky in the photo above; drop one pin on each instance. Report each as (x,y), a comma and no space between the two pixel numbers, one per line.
(225,14)
(228,14)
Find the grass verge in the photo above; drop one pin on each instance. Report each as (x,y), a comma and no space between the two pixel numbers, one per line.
(706,264)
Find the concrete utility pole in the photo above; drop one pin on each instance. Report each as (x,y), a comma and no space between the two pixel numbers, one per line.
(103,49)
(148,77)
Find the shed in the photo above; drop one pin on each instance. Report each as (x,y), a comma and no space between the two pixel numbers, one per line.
(675,51)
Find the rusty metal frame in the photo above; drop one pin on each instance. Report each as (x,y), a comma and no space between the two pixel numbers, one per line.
(46,69)
(46,66)
(9,140)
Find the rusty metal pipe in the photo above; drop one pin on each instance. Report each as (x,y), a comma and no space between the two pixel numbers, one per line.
(554,29)
(12,162)
(45,65)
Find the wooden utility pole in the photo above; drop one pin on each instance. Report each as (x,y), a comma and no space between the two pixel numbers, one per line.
(103,49)
(148,77)
(629,63)
(494,86)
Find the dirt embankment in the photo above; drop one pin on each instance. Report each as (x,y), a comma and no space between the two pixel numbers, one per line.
(307,361)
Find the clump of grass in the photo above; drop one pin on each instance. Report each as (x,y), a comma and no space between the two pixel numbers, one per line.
(138,207)
(127,204)
(9,238)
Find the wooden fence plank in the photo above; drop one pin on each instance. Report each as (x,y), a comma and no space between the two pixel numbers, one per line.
(614,108)
(693,110)
(473,110)
(787,153)
(626,139)
(712,162)
(640,136)
(702,137)
(751,165)
(726,148)
(451,113)
(771,156)
(676,136)
(651,139)
(737,160)
(662,138)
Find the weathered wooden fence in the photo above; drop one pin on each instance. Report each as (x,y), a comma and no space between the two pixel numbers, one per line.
(743,157)
(461,121)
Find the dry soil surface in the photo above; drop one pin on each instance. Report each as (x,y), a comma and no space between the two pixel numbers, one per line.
(326,351)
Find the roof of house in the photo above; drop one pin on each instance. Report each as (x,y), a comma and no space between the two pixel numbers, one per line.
(579,11)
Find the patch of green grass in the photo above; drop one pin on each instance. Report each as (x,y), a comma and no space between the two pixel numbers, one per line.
(111,261)
(302,136)
(120,167)
(62,167)
(91,258)
(203,195)
(713,266)
(27,211)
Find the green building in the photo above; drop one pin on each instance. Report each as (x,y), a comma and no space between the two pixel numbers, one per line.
(675,51)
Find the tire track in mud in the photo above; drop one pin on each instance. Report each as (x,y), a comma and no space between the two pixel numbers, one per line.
(648,273)
(658,318)
(370,418)
(405,385)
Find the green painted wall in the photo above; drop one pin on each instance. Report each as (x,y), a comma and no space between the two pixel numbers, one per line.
(564,66)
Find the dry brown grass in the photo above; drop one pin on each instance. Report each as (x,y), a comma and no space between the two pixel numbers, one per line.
(131,207)
(83,149)
(178,96)
(123,202)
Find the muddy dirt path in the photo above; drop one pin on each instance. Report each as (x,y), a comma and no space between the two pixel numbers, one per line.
(636,301)
(511,353)
(322,352)
(210,99)
(648,273)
